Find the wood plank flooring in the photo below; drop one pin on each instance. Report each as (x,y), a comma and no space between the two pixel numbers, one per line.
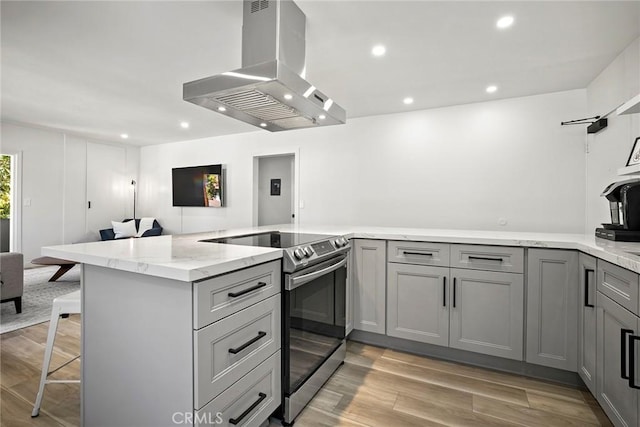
(375,387)
(380,387)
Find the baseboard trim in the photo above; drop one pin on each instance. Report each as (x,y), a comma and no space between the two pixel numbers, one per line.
(560,376)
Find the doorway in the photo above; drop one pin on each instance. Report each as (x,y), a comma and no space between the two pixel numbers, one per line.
(276,189)
(10,202)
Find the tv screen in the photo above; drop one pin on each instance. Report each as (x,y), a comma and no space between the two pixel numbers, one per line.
(198,186)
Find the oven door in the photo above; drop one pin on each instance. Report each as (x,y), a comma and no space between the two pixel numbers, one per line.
(313,319)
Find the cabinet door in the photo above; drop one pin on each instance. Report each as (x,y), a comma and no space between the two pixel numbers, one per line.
(552,308)
(614,324)
(369,287)
(587,321)
(349,298)
(417,308)
(486,312)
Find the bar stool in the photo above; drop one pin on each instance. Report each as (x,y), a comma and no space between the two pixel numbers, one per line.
(62,306)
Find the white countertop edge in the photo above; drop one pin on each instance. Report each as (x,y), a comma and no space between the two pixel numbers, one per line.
(613,252)
(185,259)
(167,271)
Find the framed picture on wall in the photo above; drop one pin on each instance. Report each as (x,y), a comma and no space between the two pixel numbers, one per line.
(634,156)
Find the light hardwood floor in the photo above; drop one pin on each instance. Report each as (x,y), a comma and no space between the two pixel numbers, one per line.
(375,387)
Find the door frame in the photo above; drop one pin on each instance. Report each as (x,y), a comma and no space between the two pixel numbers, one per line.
(295,152)
(15,229)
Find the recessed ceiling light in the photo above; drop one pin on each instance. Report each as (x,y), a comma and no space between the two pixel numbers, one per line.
(222,109)
(378,50)
(408,100)
(184,125)
(263,124)
(124,136)
(491,89)
(505,22)
(288,96)
(322,117)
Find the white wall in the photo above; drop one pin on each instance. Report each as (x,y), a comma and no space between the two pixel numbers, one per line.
(459,167)
(609,149)
(54,173)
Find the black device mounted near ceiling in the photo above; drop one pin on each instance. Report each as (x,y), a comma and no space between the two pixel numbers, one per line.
(596,123)
(597,126)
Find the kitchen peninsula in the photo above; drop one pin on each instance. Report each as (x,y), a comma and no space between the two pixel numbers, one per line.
(142,318)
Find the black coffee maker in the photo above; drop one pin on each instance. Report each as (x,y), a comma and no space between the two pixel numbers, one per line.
(624,204)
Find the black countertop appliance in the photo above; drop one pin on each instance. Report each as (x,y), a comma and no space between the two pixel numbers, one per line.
(624,205)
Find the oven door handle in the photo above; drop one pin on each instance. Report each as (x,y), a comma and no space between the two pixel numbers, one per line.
(294,282)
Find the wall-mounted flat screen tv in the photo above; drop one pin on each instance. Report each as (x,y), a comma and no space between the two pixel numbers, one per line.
(198,186)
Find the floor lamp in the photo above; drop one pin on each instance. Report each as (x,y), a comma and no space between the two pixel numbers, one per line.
(133,183)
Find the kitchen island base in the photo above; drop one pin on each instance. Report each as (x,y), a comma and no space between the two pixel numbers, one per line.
(140,353)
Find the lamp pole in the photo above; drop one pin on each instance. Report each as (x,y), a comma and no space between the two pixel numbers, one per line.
(133,182)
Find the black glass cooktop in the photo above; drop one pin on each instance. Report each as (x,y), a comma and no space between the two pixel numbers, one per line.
(271,239)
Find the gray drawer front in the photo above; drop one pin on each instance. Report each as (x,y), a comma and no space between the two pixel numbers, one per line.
(490,258)
(425,253)
(619,284)
(216,368)
(261,384)
(211,299)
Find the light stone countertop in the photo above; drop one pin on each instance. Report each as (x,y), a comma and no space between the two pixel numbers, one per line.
(183,257)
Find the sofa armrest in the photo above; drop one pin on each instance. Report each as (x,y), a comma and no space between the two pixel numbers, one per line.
(11,274)
(107,234)
(152,232)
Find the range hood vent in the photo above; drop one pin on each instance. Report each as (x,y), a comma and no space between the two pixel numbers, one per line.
(269,91)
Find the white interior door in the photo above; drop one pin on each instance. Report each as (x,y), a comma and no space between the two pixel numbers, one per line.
(276,189)
(107,186)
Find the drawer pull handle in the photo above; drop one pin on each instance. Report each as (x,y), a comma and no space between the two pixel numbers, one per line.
(246,291)
(261,334)
(418,253)
(454,292)
(235,421)
(623,353)
(485,258)
(632,361)
(444,291)
(586,287)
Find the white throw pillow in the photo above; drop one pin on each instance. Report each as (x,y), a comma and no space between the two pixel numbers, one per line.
(146,223)
(124,229)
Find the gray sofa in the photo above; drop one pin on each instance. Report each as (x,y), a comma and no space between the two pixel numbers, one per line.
(12,278)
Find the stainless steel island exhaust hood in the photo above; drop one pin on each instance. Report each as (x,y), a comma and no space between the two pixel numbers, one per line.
(269,91)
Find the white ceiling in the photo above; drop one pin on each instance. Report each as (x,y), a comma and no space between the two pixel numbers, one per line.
(106,68)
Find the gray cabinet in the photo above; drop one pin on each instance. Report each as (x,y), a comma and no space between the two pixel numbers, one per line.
(486,312)
(614,325)
(166,352)
(552,308)
(369,285)
(465,308)
(349,298)
(619,284)
(490,258)
(425,253)
(417,306)
(587,321)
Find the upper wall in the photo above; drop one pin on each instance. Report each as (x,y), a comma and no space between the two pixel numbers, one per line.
(54,174)
(470,166)
(608,150)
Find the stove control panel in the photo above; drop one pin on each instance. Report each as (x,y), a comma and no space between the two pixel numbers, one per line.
(323,248)
(300,256)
